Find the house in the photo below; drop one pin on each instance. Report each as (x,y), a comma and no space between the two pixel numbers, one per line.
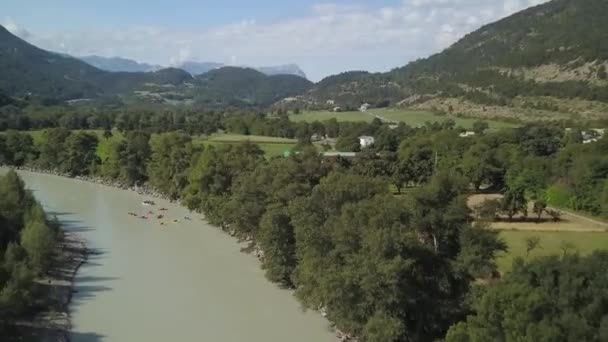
(366,141)
(592,135)
(364,107)
(467,134)
(337,109)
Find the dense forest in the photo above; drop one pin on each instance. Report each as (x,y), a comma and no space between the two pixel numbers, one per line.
(382,266)
(27,240)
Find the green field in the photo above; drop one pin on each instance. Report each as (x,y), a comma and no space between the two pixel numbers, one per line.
(326,115)
(550,244)
(410,117)
(419,118)
(232,138)
(272,146)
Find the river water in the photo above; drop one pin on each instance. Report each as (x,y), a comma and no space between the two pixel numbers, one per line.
(185,281)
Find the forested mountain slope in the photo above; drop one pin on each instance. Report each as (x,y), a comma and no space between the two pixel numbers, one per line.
(27,71)
(243,87)
(548,58)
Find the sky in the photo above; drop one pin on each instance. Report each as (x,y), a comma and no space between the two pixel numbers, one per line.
(323,38)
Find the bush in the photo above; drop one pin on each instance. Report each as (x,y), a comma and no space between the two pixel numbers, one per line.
(559,195)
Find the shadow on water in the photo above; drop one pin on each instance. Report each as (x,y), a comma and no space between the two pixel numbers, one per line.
(85,337)
(84,292)
(36,334)
(91,279)
(74,226)
(58,213)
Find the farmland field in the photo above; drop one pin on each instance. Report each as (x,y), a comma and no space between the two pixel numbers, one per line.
(550,244)
(326,115)
(412,118)
(584,234)
(272,146)
(232,138)
(419,118)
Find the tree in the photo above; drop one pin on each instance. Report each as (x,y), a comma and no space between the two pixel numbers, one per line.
(80,154)
(478,164)
(38,240)
(134,156)
(107,134)
(170,158)
(488,209)
(52,148)
(19,148)
(418,161)
(480,127)
(539,208)
(532,243)
(555,214)
(479,248)
(348,144)
(546,299)
(514,201)
(277,240)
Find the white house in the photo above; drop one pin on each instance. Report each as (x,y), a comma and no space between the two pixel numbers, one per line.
(366,141)
(364,107)
(467,134)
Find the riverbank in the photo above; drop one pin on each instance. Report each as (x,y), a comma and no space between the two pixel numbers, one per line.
(140,189)
(53,324)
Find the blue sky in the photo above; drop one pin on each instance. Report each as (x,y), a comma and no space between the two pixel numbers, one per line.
(322,37)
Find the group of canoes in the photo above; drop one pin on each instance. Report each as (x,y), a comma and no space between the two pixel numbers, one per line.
(158,217)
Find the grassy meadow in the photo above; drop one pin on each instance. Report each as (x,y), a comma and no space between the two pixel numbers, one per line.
(272,146)
(327,115)
(550,244)
(410,117)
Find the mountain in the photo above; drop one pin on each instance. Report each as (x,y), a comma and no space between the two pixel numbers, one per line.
(198,68)
(28,70)
(245,87)
(287,69)
(550,59)
(118,64)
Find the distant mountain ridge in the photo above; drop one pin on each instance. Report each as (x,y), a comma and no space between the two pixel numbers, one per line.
(27,71)
(119,64)
(199,68)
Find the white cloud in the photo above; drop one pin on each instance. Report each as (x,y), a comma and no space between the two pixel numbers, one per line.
(330,38)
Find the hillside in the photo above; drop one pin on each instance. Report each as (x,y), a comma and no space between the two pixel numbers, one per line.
(118,64)
(243,87)
(548,60)
(199,68)
(27,71)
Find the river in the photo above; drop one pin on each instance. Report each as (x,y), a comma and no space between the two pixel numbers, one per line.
(185,281)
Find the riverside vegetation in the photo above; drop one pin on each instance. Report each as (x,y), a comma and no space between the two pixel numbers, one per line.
(410,267)
(28,251)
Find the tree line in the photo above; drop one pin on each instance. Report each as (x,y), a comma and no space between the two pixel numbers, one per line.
(27,240)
